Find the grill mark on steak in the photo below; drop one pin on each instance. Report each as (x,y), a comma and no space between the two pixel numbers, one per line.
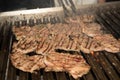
(60,41)
(40,47)
(73,38)
(65,43)
(47,49)
(24,45)
(74,46)
(83,44)
(96,47)
(84,41)
(80,39)
(45,45)
(90,40)
(52,44)
(70,44)
(67,37)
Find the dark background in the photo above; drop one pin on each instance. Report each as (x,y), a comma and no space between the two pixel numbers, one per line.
(7,5)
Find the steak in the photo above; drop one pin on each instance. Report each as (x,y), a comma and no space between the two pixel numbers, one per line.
(73,64)
(109,43)
(76,35)
(54,46)
(92,29)
(26,44)
(27,63)
(29,55)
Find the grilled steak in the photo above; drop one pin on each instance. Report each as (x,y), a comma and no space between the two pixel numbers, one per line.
(108,42)
(27,63)
(48,47)
(26,31)
(73,64)
(76,35)
(49,40)
(92,29)
(26,44)
(30,62)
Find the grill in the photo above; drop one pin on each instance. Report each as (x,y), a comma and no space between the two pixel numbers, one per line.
(104,65)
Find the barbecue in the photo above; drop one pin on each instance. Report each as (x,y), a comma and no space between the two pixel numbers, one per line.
(86,38)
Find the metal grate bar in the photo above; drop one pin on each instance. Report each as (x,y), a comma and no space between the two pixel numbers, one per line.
(118,56)
(10,70)
(36,76)
(4,49)
(24,76)
(96,67)
(102,21)
(11,73)
(1,35)
(61,76)
(48,76)
(114,18)
(108,67)
(117,16)
(111,22)
(114,61)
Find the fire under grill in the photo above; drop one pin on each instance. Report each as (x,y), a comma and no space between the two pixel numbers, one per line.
(104,65)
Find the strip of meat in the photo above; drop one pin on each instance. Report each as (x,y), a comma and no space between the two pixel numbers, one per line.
(108,42)
(19,32)
(26,45)
(96,46)
(92,29)
(27,63)
(26,31)
(73,64)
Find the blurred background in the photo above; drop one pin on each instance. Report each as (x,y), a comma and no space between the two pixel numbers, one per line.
(8,5)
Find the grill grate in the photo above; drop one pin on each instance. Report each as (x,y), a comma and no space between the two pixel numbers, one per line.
(110,19)
(104,65)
